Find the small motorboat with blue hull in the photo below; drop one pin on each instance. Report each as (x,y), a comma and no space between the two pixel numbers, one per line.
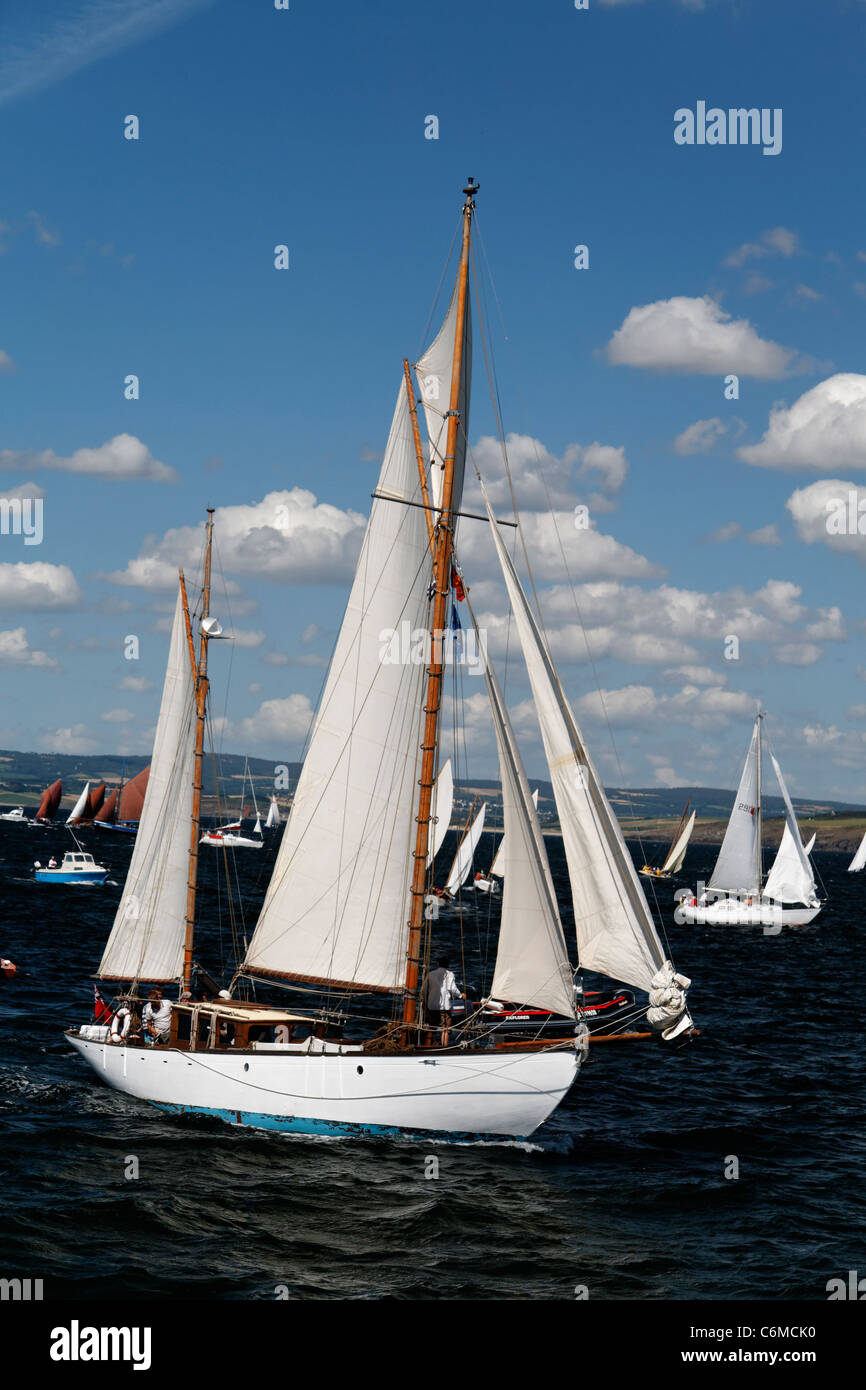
(76,867)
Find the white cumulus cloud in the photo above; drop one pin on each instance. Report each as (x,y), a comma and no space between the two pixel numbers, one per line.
(696,335)
(824,428)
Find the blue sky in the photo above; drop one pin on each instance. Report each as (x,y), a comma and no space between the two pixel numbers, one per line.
(306,127)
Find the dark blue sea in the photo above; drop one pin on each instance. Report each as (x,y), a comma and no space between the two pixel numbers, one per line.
(624,1191)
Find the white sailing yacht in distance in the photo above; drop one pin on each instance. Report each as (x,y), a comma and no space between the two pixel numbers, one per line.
(344,911)
(677,852)
(737,894)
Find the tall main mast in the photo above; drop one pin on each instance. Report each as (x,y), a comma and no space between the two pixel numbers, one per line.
(443,547)
(201,689)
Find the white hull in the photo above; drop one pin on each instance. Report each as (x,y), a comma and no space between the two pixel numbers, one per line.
(453,1095)
(231,841)
(486,885)
(730,912)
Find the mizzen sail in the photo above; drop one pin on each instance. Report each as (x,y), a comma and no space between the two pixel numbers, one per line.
(146,941)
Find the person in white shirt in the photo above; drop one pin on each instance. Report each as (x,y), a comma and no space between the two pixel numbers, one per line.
(442,988)
(156,1017)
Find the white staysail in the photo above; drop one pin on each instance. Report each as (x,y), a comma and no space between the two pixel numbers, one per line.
(737,868)
(859,860)
(532,965)
(674,861)
(146,941)
(273,814)
(78,809)
(338,904)
(433,372)
(615,932)
(791,879)
(257,828)
(498,865)
(441,806)
(462,865)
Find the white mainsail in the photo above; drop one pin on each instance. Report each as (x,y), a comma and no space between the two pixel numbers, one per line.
(859,860)
(78,809)
(433,372)
(498,865)
(462,865)
(338,902)
(791,879)
(737,867)
(532,965)
(615,932)
(674,861)
(273,814)
(441,806)
(146,941)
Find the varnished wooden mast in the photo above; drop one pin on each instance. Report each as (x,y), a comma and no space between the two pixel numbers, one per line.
(201,688)
(443,546)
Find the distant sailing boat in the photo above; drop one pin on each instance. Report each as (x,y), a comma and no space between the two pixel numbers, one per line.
(49,804)
(123,809)
(859,860)
(461,867)
(737,895)
(273,818)
(344,913)
(487,883)
(677,852)
(231,836)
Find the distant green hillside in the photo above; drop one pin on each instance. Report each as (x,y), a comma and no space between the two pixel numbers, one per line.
(24,775)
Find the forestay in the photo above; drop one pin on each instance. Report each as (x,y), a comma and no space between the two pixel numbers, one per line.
(147,939)
(615,932)
(737,867)
(337,906)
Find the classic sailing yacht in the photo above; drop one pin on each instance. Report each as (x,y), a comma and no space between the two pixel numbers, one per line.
(737,894)
(677,852)
(344,914)
(461,867)
(231,836)
(859,860)
(273,817)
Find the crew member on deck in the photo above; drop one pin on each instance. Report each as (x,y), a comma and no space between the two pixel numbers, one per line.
(156,1017)
(442,988)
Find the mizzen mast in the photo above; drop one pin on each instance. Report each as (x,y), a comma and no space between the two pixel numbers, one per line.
(443,545)
(201,689)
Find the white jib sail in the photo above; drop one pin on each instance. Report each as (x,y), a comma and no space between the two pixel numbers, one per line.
(791,879)
(532,965)
(441,806)
(273,814)
(498,865)
(433,372)
(615,932)
(146,941)
(859,860)
(736,868)
(77,810)
(338,903)
(462,865)
(674,861)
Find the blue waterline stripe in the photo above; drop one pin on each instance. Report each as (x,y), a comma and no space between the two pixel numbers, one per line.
(299,1124)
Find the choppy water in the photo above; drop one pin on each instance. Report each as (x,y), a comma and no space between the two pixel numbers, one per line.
(624,1191)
